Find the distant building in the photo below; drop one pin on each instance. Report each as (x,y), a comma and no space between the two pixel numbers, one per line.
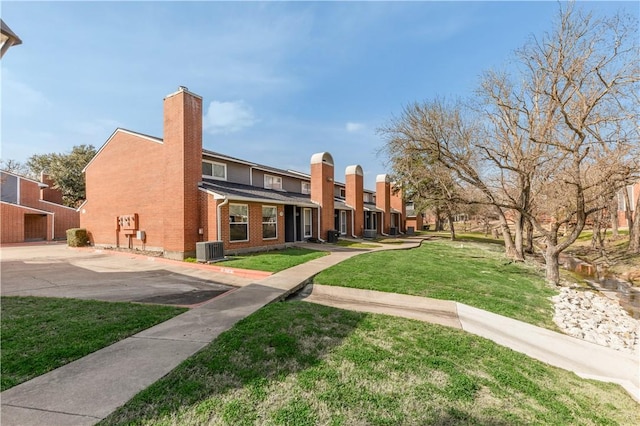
(168,193)
(33,211)
(634,192)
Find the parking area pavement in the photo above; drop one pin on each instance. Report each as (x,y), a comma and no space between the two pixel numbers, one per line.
(55,270)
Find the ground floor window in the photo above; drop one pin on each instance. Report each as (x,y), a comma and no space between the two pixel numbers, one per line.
(269,222)
(238,222)
(306,222)
(343,222)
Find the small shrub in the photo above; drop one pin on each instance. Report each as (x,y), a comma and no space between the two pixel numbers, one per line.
(77,237)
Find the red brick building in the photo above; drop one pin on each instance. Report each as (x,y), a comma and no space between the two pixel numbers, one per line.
(168,194)
(33,211)
(633,192)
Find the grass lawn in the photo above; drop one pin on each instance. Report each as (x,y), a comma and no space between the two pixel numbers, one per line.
(295,363)
(476,274)
(41,334)
(273,261)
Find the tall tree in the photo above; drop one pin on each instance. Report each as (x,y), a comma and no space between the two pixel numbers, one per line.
(65,169)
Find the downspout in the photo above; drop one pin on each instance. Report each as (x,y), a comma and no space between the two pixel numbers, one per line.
(319,218)
(53,227)
(353,223)
(382,227)
(219,218)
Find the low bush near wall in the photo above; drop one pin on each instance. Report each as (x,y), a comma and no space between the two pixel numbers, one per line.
(77,237)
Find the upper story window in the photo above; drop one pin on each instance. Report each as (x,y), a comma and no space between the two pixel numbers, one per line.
(272,182)
(343,193)
(214,170)
(306,187)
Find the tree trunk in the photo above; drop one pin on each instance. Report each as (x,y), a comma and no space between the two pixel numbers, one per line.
(529,228)
(613,212)
(627,211)
(634,232)
(519,242)
(596,238)
(452,230)
(509,246)
(552,264)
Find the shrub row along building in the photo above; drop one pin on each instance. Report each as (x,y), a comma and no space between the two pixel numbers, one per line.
(187,195)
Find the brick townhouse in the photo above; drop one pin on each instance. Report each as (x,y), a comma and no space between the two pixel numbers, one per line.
(168,194)
(33,211)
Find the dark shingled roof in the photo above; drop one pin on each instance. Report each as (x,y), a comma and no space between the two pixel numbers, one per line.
(239,192)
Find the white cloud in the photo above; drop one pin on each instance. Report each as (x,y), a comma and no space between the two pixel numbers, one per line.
(228,117)
(354,127)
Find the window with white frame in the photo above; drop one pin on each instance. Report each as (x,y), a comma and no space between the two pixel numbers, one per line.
(306,222)
(269,222)
(272,182)
(306,187)
(343,193)
(214,170)
(238,222)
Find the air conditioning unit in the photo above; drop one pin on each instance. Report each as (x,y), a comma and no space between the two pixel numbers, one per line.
(370,233)
(209,250)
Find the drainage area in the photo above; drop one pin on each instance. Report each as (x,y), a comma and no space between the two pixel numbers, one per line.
(627,295)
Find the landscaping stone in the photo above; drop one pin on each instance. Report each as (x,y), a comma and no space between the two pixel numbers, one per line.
(596,319)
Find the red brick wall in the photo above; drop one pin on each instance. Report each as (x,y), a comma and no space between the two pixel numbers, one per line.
(355,197)
(182,172)
(12,223)
(383,201)
(322,187)
(622,218)
(29,193)
(416,222)
(255,227)
(398,203)
(50,194)
(126,177)
(64,218)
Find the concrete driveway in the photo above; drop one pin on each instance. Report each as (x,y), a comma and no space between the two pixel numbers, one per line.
(54,270)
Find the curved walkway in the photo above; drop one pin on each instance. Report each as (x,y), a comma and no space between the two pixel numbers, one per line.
(89,389)
(586,359)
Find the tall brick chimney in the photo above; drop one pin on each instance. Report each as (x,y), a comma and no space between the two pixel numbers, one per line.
(182,172)
(383,200)
(355,197)
(398,203)
(322,190)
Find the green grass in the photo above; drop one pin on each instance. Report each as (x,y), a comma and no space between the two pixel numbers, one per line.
(295,363)
(41,334)
(273,261)
(474,274)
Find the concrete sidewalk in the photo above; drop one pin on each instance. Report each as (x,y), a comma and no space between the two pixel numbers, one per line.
(89,389)
(587,360)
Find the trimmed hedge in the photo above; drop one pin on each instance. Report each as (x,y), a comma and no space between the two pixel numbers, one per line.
(77,237)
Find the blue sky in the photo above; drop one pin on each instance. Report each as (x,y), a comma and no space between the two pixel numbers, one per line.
(280,81)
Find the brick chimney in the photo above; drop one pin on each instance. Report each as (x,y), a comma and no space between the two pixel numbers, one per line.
(49,193)
(355,197)
(398,203)
(182,172)
(383,200)
(322,190)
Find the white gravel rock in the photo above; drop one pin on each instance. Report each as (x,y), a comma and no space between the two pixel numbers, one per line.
(597,319)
